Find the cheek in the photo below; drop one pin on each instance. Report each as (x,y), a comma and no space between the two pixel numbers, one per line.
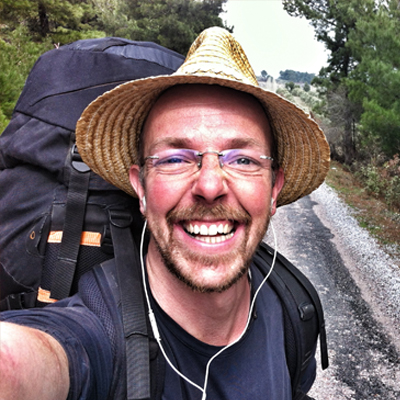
(162,195)
(254,197)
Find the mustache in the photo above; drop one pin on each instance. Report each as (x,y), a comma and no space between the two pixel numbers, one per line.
(200,211)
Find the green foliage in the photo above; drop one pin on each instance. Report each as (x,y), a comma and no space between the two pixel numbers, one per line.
(384,181)
(306,87)
(30,27)
(289,86)
(172,23)
(392,194)
(286,94)
(375,83)
(372,179)
(17,56)
(363,37)
(62,20)
(333,21)
(296,76)
(307,100)
(265,77)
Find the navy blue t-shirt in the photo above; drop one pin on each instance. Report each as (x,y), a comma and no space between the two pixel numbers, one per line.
(254,368)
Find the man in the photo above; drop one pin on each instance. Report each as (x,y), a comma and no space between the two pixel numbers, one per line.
(210,156)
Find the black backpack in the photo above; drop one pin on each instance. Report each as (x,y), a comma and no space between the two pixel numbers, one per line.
(302,311)
(55,214)
(303,315)
(58,219)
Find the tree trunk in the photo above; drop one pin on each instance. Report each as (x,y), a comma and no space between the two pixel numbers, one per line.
(348,142)
(44,28)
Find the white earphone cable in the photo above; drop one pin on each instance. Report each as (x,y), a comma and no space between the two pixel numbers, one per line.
(154,326)
(248,318)
(152,318)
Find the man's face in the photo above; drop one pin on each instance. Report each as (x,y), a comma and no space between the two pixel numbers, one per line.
(206,225)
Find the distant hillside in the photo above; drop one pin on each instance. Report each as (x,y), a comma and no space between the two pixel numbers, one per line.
(296,76)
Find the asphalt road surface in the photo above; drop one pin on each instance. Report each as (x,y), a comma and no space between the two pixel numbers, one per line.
(363,330)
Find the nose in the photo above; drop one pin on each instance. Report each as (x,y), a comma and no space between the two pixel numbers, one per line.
(210,184)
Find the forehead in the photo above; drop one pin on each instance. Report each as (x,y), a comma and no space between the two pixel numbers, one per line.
(205,116)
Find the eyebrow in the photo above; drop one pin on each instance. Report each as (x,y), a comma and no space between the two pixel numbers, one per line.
(185,143)
(170,141)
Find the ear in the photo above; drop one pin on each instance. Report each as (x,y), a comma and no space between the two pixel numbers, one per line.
(279,181)
(134,178)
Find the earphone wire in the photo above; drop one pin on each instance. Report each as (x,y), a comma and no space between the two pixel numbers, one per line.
(152,318)
(154,326)
(248,318)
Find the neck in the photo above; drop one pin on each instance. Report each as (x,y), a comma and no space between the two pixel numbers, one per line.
(214,318)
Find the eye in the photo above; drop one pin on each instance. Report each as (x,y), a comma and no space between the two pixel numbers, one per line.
(174,160)
(241,160)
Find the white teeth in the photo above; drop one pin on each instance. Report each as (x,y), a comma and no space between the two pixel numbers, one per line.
(203,230)
(214,239)
(212,230)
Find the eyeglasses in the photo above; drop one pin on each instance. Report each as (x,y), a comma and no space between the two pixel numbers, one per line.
(182,161)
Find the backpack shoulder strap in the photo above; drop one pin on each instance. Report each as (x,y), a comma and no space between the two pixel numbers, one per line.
(134,311)
(108,271)
(303,313)
(78,189)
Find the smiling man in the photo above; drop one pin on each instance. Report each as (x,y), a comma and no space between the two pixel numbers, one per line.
(210,156)
(208,184)
(214,209)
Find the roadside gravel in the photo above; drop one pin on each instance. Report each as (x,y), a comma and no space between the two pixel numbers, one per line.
(359,286)
(375,272)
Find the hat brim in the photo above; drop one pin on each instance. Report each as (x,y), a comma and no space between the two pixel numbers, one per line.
(108,132)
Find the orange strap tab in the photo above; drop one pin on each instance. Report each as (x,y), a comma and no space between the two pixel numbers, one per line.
(44,296)
(87,238)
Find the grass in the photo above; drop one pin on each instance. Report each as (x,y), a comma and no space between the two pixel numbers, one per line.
(371,212)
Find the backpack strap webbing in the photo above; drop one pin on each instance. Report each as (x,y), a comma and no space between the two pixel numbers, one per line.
(134,315)
(78,189)
(303,314)
(18,301)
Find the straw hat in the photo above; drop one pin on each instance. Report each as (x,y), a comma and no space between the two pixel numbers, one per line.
(108,131)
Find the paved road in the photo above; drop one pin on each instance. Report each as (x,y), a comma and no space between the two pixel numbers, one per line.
(363,342)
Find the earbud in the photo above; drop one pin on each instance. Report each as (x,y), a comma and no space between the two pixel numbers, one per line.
(272,202)
(144,203)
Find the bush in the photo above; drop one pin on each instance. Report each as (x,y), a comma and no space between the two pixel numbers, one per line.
(392,195)
(384,181)
(372,179)
(17,56)
(289,86)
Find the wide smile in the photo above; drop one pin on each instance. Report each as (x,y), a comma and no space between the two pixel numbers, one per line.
(210,232)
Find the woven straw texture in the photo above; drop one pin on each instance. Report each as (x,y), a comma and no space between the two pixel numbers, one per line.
(108,131)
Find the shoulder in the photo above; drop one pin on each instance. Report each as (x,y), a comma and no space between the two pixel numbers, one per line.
(88,327)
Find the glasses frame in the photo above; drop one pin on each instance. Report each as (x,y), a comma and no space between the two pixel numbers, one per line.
(198,154)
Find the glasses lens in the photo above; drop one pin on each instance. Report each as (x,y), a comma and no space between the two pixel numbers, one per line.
(175,161)
(243,161)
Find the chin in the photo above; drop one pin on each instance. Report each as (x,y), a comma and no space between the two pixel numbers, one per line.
(208,278)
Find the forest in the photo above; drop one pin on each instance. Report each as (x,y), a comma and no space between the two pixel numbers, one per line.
(28,28)
(359,88)
(296,76)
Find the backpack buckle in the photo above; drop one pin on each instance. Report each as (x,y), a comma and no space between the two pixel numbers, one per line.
(76,160)
(307,311)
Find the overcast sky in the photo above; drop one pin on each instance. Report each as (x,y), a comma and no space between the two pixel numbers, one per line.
(273,40)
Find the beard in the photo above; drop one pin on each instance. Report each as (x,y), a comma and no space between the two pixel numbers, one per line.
(174,256)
